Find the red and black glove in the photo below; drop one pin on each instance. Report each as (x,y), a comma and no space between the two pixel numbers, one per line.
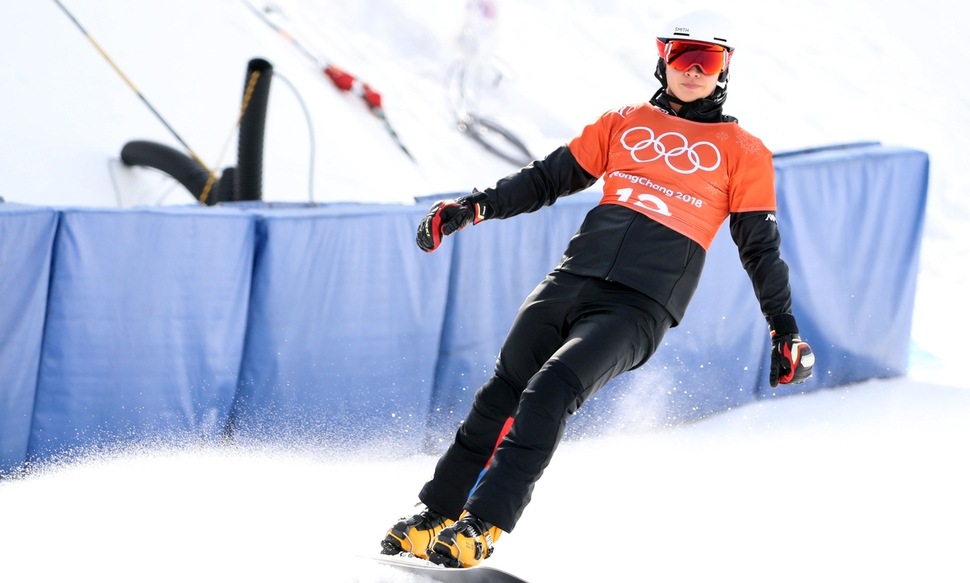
(448,216)
(792,359)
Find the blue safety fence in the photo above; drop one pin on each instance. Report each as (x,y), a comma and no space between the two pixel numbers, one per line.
(327,324)
(26,242)
(143,337)
(344,326)
(853,221)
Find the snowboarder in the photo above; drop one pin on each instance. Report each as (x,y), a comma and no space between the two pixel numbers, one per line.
(674,169)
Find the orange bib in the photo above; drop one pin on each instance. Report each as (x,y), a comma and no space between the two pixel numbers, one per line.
(686,175)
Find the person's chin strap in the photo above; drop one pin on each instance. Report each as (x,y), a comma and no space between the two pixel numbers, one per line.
(707,109)
(704,110)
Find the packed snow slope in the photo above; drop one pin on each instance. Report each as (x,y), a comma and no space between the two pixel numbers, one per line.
(867,483)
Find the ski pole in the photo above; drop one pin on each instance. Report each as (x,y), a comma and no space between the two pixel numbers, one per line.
(341,79)
(135,89)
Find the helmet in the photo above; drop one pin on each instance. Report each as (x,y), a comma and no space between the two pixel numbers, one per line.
(701,26)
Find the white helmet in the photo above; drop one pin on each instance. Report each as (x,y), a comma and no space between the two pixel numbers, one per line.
(700,26)
(703,26)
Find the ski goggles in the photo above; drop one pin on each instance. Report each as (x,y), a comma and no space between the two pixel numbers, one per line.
(683,55)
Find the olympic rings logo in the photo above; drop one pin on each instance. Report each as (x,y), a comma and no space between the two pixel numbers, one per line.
(680,155)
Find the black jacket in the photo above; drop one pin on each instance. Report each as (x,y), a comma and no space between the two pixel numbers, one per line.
(618,244)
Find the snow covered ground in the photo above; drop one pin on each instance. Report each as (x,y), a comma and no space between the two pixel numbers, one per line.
(862,483)
(866,483)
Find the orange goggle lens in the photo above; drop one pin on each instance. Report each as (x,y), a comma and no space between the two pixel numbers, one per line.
(683,55)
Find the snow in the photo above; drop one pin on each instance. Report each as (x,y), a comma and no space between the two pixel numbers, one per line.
(864,483)
(867,482)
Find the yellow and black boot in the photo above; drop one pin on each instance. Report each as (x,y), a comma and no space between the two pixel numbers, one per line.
(414,535)
(465,543)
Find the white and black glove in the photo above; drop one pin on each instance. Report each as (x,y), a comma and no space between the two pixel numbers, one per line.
(448,216)
(792,359)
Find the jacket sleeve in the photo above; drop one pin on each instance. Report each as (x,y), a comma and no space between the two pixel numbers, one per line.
(537,185)
(758,240)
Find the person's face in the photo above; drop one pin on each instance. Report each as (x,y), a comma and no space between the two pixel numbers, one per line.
(690,85)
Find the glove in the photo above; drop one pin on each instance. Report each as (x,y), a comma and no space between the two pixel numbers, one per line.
(448,216)
(792,359)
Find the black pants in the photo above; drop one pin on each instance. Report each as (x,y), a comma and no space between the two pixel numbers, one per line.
(572,335)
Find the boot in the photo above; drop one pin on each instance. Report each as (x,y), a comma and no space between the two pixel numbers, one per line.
(465,543)
(414,535)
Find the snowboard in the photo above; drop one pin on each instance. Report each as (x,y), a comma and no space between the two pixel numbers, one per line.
(422,568)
